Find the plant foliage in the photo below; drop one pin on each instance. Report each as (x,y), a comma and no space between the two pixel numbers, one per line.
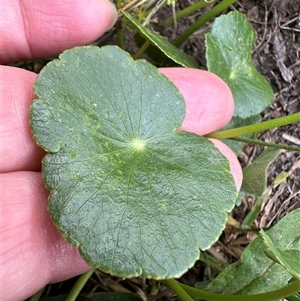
(137,197)
(228,53)
(256,272)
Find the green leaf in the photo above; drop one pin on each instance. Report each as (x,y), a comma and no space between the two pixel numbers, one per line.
(155,55)
(136,196)
(289,259)
(166,47)
(228,54)
(255,174)
(256,273)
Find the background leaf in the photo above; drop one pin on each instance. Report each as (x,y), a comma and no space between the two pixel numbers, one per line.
(166,47)
(228,54)
(256,273)
(255,174)
(289,259)
(154,54)
(136,196)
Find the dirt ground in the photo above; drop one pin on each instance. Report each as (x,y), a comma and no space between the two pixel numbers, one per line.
(277,56)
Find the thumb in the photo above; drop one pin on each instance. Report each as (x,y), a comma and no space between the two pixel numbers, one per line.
(34,29)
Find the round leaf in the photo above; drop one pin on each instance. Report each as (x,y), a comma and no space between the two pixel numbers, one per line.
(228,55)
(136,196)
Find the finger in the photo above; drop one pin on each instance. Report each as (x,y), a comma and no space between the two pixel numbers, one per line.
(33,253)
(209,107)
(235,166)
(209,102)
(17,148)
(33,28)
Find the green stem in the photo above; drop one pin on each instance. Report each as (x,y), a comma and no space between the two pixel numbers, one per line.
(263,143)
(76,289)
(252,230)
(288,290)
(216,10)
(255,128)
(37,295)
(141,50)
(154,289)
(186,12)
(120,37)
(252,215)
(294,298)
(177,288)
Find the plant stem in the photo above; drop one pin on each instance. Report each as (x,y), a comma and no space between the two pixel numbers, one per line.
(177,288)
(252,215)
(37,295)
(255,128)
(120,32)
(294,298)
(120,37)
(75,291)
(288,290)
(186,12)
(141,50)
(154,288)
(216,10)
(263,143)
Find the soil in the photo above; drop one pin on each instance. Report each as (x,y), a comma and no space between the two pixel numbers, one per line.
(276,55)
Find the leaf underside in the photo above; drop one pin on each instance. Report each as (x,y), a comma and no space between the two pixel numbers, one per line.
(133,194)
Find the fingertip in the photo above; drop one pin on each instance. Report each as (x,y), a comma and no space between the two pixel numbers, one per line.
(235,167)
(209,101)
(96,18)
(71,23)
(39,29)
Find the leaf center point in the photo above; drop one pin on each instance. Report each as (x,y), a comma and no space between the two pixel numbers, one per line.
(138,144)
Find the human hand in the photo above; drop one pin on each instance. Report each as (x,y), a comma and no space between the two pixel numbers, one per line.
(33,253)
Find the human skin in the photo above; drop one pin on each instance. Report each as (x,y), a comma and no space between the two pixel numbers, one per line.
(33,253)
